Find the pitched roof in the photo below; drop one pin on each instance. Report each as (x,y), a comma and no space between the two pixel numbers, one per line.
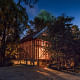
(34,35)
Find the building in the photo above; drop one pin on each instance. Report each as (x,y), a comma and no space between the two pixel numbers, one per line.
(32,49)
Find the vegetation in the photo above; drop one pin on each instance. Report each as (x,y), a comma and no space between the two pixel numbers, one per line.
(63,36)
(13,21)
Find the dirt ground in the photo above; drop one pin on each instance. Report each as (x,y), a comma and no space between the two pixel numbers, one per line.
(21,72)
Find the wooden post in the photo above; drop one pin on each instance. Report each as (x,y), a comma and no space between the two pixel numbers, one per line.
(33,52)
(26,56)
(38,52)
(36,48)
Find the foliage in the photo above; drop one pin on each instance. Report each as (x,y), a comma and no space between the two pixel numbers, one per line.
(43,19)
(30,32)
(28,2)
(62,38)
(75,32)
(13,21)
(60,35)
(46,16)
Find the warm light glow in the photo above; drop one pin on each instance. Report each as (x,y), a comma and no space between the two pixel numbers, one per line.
(43,54)
(44,73)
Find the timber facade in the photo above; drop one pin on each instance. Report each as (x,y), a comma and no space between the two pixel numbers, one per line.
(33,49)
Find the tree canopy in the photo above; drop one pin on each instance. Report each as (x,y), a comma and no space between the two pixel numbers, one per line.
(43,19)
(13,21)
(61,34)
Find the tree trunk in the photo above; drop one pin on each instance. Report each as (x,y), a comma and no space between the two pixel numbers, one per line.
(3,46)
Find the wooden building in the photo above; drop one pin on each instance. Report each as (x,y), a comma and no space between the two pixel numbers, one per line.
(32,49)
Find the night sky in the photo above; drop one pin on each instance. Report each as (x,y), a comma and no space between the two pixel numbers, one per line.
(57,7)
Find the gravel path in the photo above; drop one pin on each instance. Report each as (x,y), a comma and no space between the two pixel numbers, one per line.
(32,73)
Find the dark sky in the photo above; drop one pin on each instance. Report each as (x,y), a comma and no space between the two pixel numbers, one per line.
(57,7)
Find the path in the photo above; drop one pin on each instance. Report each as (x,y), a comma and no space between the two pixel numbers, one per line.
(33,73)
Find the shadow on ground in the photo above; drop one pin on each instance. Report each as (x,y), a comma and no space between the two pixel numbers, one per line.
(21,72)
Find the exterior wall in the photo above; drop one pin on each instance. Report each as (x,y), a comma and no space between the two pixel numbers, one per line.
(26,52)
(34,49)
(42,52)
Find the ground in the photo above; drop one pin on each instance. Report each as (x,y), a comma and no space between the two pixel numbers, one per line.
(21,72)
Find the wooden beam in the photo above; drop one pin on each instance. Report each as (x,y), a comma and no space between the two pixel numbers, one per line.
(36,48)
(38,51)
(33,49)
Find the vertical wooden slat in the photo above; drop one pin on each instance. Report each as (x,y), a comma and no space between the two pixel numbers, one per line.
(33,52)
(38,52)
(31,48)
(35,49)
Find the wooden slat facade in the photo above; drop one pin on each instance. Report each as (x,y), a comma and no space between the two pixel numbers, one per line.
(33,50)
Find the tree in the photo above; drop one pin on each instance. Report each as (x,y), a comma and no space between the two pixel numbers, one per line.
(43,19)
(30,3)
(13,21)
(60,36)
(30,32)
(64,38)
(75,31)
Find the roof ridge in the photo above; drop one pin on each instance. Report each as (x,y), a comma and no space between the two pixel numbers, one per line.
(45,28)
